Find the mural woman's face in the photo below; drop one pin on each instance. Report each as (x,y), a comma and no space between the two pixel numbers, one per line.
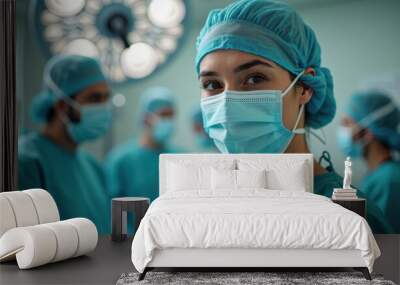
(239,71)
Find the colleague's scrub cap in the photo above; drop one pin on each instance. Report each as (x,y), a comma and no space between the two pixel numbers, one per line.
(374,110)
(64,75)
(155,99)
(274,31)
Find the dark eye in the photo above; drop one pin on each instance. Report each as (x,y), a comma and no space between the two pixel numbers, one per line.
(211,85)
(255,79)
(98,97)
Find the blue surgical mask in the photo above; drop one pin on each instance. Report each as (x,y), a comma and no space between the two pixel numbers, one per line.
(249,121)
(95,121)
(344,137)
(163,130)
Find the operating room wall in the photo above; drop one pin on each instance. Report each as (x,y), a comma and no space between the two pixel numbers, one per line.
(359,39)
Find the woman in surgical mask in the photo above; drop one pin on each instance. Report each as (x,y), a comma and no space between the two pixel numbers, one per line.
(72,108)
(370,130)
(132,167)
(262,84)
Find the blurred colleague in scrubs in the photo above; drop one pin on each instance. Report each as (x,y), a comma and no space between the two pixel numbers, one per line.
(72,108)
(370,130)
(263,86)
(203,142)
(132,168)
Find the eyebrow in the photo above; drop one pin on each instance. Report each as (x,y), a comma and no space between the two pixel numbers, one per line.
(240,68)
(207,73)
(251,64)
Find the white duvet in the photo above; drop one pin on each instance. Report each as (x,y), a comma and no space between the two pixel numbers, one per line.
(250,219)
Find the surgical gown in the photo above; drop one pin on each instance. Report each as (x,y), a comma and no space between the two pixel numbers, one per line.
(74,179)
(381,188)
(326,182)
(132,170)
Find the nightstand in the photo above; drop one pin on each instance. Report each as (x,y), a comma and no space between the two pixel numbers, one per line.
(119,208)
(355,205)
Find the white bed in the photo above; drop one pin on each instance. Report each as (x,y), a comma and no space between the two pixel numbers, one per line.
(202,220)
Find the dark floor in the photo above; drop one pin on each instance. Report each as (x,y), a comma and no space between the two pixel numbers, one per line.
(103,266)
(111,259)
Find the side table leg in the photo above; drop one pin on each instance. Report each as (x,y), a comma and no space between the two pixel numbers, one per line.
(117,221)
(140,211)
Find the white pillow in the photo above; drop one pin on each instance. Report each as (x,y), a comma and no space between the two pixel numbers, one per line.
(283,174)
(292,180)
(251,178)
(226,179)
(183,178)
(223,179)
(186,175)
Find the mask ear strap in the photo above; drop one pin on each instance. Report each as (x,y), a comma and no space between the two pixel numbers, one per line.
(377,115)
(293,83)
(58,92)
(302,130)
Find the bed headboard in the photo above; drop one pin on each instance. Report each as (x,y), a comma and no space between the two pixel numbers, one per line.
(214,157)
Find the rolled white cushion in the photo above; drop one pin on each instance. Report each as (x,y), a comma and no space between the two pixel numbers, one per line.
(67,240)
(40,244)
(23,208)
(7,218)
(45,205)
(33,246)
(26,208)
(87,235)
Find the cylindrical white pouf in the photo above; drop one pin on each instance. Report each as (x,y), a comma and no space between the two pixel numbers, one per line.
(67,240)
(45,205)
(23,208)
(7,218)
(36,245)
(87,234)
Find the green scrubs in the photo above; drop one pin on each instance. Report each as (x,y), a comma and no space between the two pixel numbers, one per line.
(132,170)
(381,188)
(324,183)
(74,179)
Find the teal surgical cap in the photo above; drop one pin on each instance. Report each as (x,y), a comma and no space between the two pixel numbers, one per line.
(64,76)
(274,31)
(154,99)
(374,110)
